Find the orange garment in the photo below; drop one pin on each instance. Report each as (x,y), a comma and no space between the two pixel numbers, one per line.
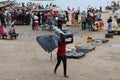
(101,24)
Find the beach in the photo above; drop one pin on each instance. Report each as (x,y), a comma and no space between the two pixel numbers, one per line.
(25,59)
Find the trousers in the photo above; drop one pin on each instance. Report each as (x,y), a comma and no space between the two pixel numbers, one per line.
(64,60)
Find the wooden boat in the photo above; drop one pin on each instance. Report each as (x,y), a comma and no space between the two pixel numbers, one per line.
(4,4)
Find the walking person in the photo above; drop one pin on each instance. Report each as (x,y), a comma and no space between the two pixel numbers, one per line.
(61,55)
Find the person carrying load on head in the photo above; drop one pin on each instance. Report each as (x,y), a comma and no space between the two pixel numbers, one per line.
(61,54)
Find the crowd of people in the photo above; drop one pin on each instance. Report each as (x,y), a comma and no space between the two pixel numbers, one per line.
(47,18)
(90,20)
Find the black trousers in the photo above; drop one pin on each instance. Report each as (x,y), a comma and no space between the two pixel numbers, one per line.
(67,18)
(32,24)
(90,27)
(64,60)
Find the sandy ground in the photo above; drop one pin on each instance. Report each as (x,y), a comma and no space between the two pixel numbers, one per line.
(24,59)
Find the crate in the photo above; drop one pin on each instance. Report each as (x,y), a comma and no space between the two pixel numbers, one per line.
(109,35)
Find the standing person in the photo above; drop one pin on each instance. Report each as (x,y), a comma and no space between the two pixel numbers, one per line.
(3,20)
(94,18)
(61,54)
(100,9)
(78,11)
(36,22)
(28,18)
(20,18)
(48,19)
(43,21)
(59,23)
(39,18)
(67,15)
(90,22)
(109,21)
(99,14)
(33,21)
(83,20)
(73,18)
(8,19)
(76,17)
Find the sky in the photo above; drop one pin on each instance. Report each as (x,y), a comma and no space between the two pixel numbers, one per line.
(83,4)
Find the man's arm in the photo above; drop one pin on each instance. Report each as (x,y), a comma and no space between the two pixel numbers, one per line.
(70,41)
